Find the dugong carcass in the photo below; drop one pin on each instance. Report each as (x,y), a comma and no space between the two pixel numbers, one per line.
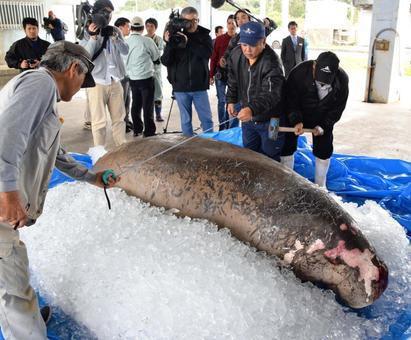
(261,202)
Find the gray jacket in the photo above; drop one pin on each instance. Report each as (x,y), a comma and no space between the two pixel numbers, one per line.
(290,55)
(30,139)
(116,46)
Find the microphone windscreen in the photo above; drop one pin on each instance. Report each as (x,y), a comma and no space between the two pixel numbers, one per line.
(217,3)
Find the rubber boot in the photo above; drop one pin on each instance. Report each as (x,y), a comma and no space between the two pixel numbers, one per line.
(321,170)
(157,108)
(288,161)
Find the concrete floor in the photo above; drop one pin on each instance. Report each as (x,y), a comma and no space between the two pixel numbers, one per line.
(377,130)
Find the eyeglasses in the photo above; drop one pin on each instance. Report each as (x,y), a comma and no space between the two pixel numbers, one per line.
(195,20)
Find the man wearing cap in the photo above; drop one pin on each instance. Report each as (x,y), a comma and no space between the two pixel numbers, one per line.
(316,95)
(106,45)
(143,53)
(255,78)
(29,150)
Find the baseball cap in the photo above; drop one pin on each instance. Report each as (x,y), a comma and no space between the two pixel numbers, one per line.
(137,22)
(326,67)
(67,47)
(251,33)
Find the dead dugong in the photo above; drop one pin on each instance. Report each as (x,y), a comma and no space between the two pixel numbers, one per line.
(261,202)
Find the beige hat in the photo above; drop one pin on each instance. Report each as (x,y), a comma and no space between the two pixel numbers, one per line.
(137,22)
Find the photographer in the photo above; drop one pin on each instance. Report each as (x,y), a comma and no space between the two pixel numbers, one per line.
(56,26)
(25,54)
(106,45)
(186,57)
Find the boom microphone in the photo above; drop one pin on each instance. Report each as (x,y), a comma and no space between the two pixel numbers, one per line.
(217,3)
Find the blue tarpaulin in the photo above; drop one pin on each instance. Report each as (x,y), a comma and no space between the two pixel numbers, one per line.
(356,178)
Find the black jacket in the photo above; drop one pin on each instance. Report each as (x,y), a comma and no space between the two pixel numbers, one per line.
(25,49)
(302,101)
(187,68)
(259,86)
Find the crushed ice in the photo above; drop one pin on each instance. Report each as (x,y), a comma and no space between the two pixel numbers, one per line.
(139,272)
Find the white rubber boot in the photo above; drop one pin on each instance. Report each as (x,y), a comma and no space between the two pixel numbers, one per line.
(321,169)
(288,161)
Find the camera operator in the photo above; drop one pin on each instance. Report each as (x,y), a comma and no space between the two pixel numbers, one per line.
(106,45)
(186,57)
(25,54)
(55,25)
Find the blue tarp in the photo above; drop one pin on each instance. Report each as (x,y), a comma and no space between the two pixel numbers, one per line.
(356,178)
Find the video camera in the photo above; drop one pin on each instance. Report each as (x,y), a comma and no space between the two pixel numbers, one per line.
(177,24)
(86,14)
(47,21)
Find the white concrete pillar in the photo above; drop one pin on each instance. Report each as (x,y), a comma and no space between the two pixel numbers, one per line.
(263,9)
(204,9)
(383,77)
(285,5)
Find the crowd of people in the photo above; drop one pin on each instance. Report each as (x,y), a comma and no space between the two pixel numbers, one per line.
(120,67)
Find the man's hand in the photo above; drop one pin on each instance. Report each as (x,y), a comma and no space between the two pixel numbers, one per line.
(111,180)
(223,62)
(11,209)
(212,81)
(318,131)
(93,28)
(245,114)
(36,64)
(24,64)
(166,36)
(183,35)
(298,129)
(231,110)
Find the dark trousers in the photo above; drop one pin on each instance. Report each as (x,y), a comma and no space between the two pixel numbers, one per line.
(255,137)
(322,145)
(125,82)
(143,98)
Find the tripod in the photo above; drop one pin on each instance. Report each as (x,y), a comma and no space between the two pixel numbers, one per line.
(169,115)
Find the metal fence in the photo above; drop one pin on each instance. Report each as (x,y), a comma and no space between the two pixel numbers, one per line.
(13,12)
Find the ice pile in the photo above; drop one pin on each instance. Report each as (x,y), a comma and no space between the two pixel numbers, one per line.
(139,272)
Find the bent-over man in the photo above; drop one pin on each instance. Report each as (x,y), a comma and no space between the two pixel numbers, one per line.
(316,95)
(29,150)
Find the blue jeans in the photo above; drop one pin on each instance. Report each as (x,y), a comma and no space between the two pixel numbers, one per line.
(221,87)
(202,106)
(255,137)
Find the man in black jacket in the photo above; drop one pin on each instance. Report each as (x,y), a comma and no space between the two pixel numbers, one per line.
(26,53)
(316,95)
(292,49)
(188,72)
(256,79)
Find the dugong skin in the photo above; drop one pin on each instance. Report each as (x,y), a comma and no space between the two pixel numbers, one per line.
(261,202)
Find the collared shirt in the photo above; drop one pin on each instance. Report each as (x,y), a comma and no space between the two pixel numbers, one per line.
(143,52)
(294,40)
(323,89)
(109,65)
